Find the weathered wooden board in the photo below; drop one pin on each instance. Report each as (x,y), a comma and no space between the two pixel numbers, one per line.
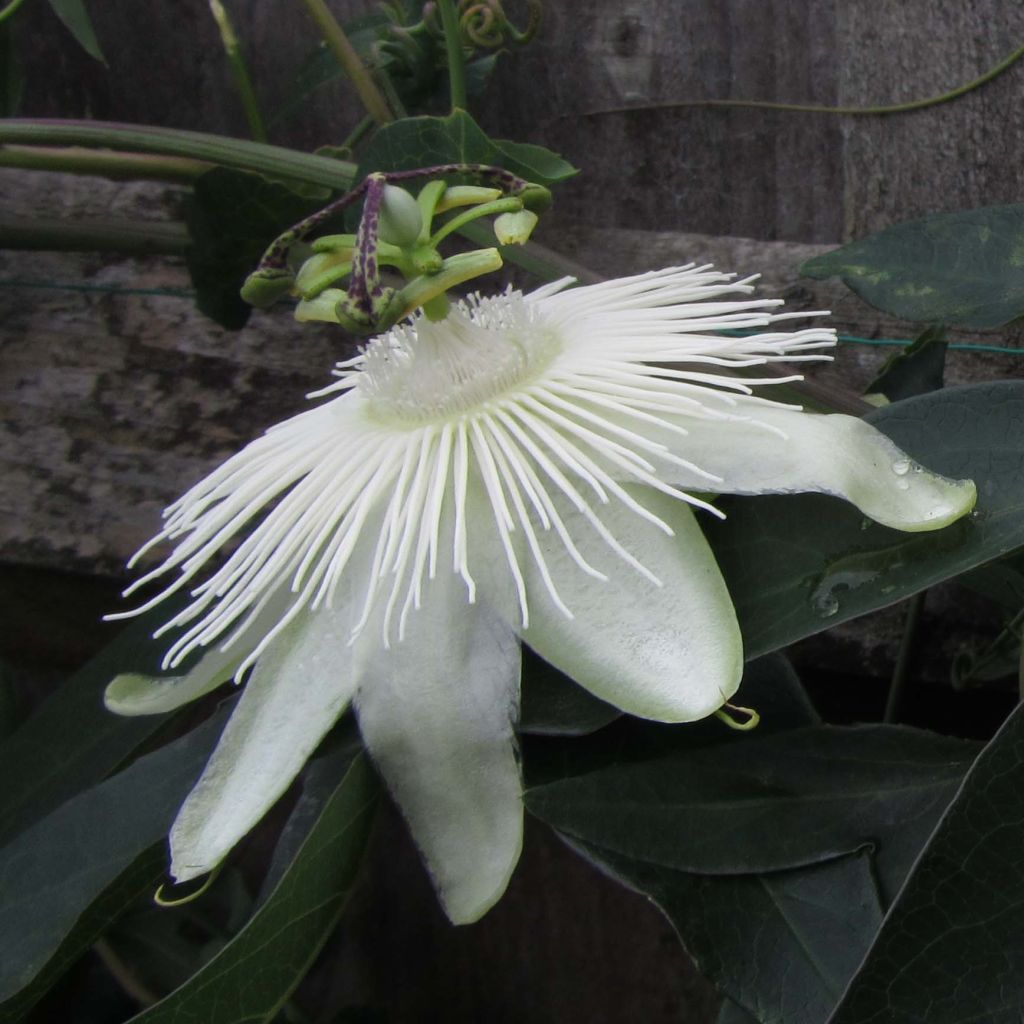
(750,173)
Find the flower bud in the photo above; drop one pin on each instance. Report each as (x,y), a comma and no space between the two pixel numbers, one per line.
(400,218)
(514,228)
(263,288)
(322,270)
(466,195)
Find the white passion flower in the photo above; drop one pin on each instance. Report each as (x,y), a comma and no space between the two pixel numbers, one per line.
(527,468)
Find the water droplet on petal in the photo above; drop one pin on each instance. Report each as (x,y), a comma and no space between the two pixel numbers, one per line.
(901,467)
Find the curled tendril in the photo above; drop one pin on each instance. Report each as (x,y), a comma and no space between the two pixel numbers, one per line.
(484,23)
(533,14)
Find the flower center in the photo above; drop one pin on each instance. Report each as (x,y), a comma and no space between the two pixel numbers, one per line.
(424,371)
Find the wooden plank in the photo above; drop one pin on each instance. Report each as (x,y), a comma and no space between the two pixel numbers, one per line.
(952,157)
(726,172)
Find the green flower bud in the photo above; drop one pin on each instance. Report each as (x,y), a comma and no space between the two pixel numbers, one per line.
(466,195)
(426,260)
(455,270)
(400,218)
(324,307)
(321,270)
(514,228)
(263,288)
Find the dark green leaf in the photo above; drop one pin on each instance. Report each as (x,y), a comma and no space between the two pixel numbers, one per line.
(769,685)
(766,804)
(951,950)
(8,701)
(72,741)
(733,1013)
(964,269)
(249,979)
(1002,582)
(781,945)
(535,163)
(797,564)
(426,141)
(232,217)
(76,19)
(915,370)
(96,848)
(138,881)
(553,705)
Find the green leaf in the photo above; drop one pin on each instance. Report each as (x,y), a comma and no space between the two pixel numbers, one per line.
(783,945)
(950,951)
(535,163)
(554,705)
(915,370)
(425,141)
(766,804)
(76,19)
(964,269)
(1002,582)
(769,685)
(798,564)
(72,741)
(66,877)
(733,1013)
(252,976)
(232,217)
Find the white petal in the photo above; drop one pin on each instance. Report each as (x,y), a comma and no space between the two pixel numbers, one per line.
(436,713)
(133,693)
(300,686)
(780,451)
(671,653)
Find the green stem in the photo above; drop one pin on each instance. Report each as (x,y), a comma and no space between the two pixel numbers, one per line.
(507,205)
(7,11)
(104,163)
(352,139)
(132,237)
(814,108)
(239,71)
(345,54)
(275,161)
(453,48)
(901,673)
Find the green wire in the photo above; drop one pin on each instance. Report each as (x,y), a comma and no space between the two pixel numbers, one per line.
(174,293)
(959,346)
